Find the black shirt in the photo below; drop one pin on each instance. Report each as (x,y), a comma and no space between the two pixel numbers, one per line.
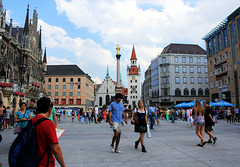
(208,120)
(32,109)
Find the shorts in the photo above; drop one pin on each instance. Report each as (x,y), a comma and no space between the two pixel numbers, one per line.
(118,127)
(200,123)
(208,128)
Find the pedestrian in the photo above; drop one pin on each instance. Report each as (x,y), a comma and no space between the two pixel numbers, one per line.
(172,114)
(104,114)
(89,115)
(152,116)
(64,113)
(233,115)
(46,135)
(215,113)
(53,116)
(116,111)
(86,116)
(199,121)
(32,108)
(73,115)
(167,114)
(81,116)
(209,122)
(7,118)
(96,114)
(228,114)
(141,124)
(237,113)
(22,117)
(189,116)
(1,117)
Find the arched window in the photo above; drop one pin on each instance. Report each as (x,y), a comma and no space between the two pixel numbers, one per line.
(207,92)
(107,99)
(200,92)
(186,92)
(158,93)
(100,101)
(177,92)
(155,93)
(193,92)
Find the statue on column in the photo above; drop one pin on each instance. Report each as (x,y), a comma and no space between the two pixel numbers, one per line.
(118,49)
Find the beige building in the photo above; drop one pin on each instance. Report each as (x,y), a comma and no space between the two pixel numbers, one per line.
(223,51)
(69,86)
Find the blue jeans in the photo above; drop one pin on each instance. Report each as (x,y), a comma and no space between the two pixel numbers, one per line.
(86,119)
(215,116)
(152,118)
(81,119)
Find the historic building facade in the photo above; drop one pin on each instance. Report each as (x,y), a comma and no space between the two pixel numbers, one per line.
(223,51)
(147,87)
(69,86)
(21,64)
(134,80)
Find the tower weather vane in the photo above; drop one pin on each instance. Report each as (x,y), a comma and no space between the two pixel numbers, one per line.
(118,49)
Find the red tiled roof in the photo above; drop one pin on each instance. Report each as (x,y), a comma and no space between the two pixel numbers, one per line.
(133,70)
(133,57)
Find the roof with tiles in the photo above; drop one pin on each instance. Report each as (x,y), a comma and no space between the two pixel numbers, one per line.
(64,70)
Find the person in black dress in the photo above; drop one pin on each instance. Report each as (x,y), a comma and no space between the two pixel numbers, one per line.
(140,124)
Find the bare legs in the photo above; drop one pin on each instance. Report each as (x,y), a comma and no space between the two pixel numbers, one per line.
(116,138)
(199,133)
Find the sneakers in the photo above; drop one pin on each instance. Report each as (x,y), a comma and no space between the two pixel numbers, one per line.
(112,149)
(118,151)
(214,140)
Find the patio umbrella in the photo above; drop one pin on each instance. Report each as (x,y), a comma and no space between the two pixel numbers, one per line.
(223,103)
(183,104)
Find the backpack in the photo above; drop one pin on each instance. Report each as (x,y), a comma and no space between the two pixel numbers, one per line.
(24,149)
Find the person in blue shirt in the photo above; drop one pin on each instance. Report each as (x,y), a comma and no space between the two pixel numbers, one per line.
(152,116)
(22,116)
(116,111)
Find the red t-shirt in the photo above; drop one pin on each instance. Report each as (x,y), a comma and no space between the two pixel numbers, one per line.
(46,134)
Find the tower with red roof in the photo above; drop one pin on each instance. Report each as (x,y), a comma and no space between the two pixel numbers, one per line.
(134,79)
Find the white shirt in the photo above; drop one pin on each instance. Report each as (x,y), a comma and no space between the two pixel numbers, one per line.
(96,110)
(136,110)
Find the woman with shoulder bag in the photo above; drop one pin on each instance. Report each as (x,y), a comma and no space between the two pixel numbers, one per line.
(140,120)
(22,117)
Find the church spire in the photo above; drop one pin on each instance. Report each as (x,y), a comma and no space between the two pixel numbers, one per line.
(26,26)
(45,57)
(1,6)
(133,56)
(107,74)
(40,40)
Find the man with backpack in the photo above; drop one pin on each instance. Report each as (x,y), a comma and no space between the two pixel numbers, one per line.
(38,141)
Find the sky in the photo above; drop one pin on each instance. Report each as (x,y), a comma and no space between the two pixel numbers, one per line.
(86,32)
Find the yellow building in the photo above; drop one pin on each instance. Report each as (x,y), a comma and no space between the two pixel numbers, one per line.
(69,86)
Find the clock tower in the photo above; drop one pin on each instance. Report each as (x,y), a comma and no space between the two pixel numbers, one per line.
(134,79)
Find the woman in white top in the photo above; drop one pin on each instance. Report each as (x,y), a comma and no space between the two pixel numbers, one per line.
(140,124)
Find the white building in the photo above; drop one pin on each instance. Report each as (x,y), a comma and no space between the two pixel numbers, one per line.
(183,74)
(134,79)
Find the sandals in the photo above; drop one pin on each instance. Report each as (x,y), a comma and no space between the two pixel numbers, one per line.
(201,145)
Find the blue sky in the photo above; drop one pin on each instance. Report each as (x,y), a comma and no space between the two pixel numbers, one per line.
(86,32)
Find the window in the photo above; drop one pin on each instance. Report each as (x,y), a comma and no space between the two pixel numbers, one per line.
(56,79)
(49,86)
(214,46)
(225,38)
(207,92)
(200,92)
(71,86)
(78,93)
(222,81)
(64,80)
(56,93)
(216,83)
(71,79)
(49,79)
(184,69)
(211,73)
(205,61)
(226,55)
(177,80)
(79,79)
(210,62)
(193,92)
(49,94)
(177,92)
(209,48)
(184,59)
(220,47)
(198,60)
(227,67)
(184,80)
(192,80)
(130,81)
(70,94)
(199,69)
(164,60)
(64,86)
(176,59)
(191,59)
(206,80)
(64,94)
(221,69)
(211,84)
(220,58)
(215,60)
(228,80)
(191,70)
(164,80)
(164,69)
(100,101)
(199,80)
(135,81)
(186,92)
(216,71)
(206,70)
(56,87)
(177,69)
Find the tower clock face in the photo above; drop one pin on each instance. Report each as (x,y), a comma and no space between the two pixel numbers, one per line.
(133,78)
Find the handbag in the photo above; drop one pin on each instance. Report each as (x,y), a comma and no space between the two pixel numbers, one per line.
(135,119)
(17,129)
(148,131)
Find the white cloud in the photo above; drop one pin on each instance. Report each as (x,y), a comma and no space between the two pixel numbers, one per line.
(97,80)
(57,61)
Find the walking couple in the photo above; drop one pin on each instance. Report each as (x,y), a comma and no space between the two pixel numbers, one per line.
(116,111)
(204,119)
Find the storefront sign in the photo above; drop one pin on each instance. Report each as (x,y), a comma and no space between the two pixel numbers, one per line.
(222,88)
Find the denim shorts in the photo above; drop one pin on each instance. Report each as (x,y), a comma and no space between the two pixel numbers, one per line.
(200,123)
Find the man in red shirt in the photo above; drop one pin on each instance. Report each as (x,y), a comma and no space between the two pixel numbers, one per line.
(46,135)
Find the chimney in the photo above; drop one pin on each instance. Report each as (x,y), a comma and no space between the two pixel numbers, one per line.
(10,30)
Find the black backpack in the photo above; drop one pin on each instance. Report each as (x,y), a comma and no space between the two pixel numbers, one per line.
(24,150)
